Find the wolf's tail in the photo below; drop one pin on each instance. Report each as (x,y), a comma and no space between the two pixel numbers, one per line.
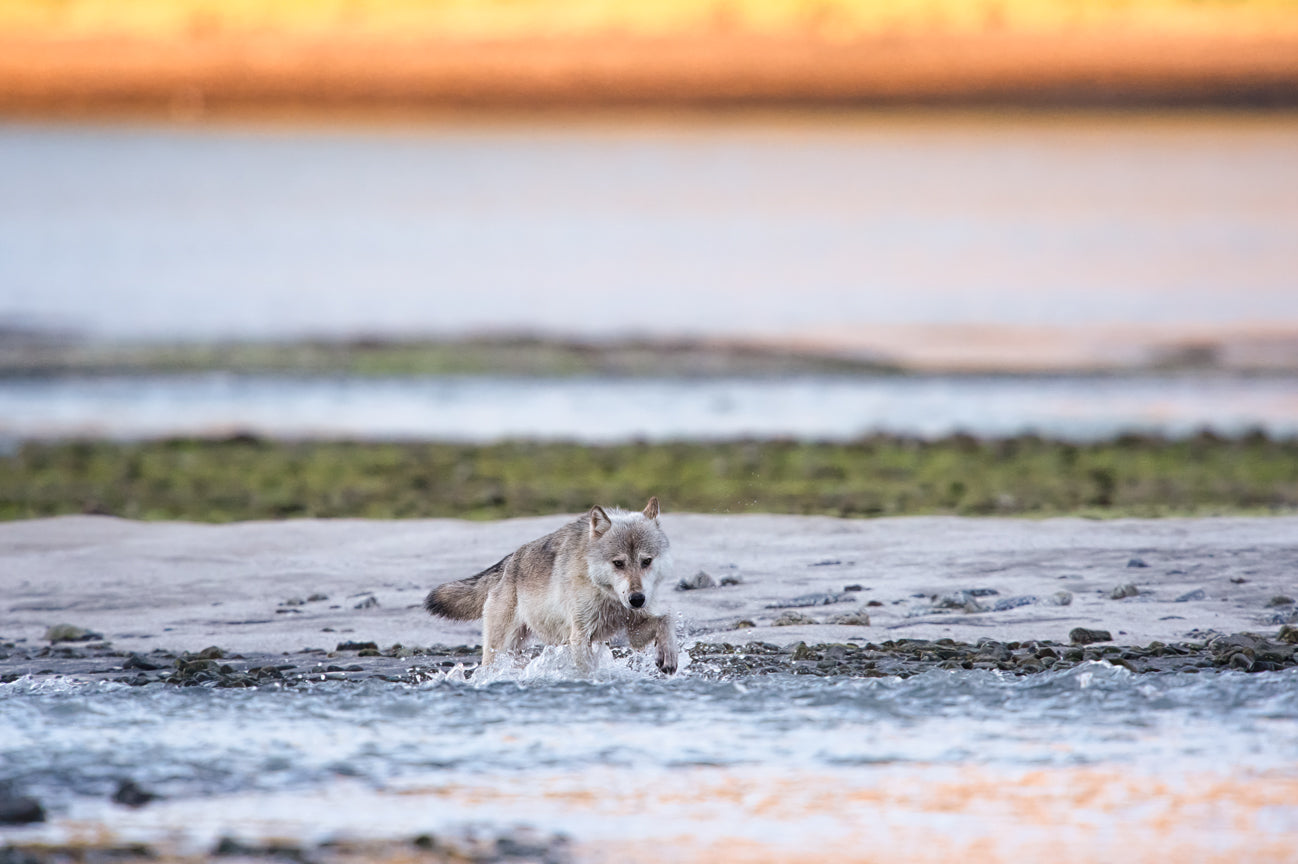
(463,600)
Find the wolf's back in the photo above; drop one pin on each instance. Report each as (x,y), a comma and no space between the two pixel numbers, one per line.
(463,600)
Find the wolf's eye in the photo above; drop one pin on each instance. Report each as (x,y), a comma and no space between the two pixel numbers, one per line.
(618,563)
(645,562)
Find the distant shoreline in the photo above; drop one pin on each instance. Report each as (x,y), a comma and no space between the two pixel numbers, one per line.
(332,75)
(903,349)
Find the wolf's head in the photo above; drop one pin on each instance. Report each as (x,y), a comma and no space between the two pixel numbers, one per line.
(628,554)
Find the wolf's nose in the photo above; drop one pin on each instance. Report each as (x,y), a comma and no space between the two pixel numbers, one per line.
(636,600)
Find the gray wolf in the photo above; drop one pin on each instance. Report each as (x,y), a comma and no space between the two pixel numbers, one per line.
(594,578)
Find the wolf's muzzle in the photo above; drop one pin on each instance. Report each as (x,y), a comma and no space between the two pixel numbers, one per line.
(636,600)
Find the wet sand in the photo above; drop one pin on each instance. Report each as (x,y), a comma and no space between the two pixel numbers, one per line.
(249,587)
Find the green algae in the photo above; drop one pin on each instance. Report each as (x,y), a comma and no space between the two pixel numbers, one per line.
(250,478)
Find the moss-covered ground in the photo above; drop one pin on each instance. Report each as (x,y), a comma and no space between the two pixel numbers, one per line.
(246,478)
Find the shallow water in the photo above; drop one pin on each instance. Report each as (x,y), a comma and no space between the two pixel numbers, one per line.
(478,747)
(488,409)
(606,229)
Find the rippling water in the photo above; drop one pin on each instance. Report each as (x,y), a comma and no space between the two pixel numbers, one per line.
(69,743)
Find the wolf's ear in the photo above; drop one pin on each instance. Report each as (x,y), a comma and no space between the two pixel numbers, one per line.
(599,521)
(651,509)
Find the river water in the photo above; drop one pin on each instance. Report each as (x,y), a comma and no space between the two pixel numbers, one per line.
(757,227)
(937,763)
(602,410)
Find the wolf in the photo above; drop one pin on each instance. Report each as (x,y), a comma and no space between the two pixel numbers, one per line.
(594,578)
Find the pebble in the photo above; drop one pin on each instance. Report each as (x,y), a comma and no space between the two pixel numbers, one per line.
(70,633)
(699,580)
(791,619)
(368,603)
(19,809)
(805,600)
(1008,603)
(135,661)
(1083,636)
(1280,600)
(964,601)
(1124,591)
(851,619)
(1136,562)
(129,794)
(1196,594)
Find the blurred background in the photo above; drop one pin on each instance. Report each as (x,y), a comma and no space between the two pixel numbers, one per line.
(398,258)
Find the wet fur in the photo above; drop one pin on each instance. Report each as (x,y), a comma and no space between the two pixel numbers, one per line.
(564,588)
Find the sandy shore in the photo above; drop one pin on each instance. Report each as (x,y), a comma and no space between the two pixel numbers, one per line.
(249,587)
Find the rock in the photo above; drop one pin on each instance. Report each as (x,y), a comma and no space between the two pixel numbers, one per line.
(1288,634)
(1136,562)
(1083,636)
(963,601)
(699,580)
(294,601)
(1280,600)
(805,600)
(135,661)
(983,592)
(851,619)
(1196,594)
(743,624)
(368,603)
(727,581)
(791,619)
(19,809)
(828,562)
(1061,598)
(357,646)
(70,633)
(1007,603)
(1124,591)
(800,651)
(850,588)
(316,598)
(129,794)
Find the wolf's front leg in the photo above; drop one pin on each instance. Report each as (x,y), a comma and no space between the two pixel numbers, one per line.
(666,639)
(657,629)
(583,652)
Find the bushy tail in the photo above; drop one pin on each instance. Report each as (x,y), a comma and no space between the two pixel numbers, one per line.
(463,600)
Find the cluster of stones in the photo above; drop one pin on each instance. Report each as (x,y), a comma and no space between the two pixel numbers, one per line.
(905,657)
(478,847)
(215,667)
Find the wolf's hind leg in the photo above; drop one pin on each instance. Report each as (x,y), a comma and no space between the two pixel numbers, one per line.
(516,641)
(498,622)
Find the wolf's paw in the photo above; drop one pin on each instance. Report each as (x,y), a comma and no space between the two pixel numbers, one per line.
(667,664)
